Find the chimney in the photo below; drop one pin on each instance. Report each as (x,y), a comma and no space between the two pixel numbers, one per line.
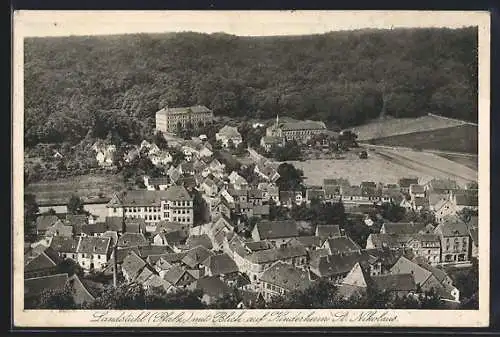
(115,267)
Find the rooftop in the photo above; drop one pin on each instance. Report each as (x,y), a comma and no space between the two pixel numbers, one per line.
(184,110)
(286,276)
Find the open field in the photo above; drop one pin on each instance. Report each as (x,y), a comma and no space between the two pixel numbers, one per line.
(400,126)
(462,138)
(386,166)
(469,161)
(88,187)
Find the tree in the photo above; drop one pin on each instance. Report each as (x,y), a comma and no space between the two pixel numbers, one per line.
(59,299)
(31,210)
(392,212)
(70,267)
(290,151)
(229,300)
(50,211)
(125,296)
(200,209)
(75,205)
(160,141)
(291,179)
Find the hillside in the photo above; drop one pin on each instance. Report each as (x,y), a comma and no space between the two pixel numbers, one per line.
(400,126)
(462,138)
(90,86)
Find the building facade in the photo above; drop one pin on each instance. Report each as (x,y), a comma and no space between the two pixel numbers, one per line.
(300,131)
(171,120)
(172,205)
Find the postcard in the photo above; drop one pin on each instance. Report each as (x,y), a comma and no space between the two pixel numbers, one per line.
(251,169)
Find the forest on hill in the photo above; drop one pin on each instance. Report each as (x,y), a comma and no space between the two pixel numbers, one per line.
(77,87)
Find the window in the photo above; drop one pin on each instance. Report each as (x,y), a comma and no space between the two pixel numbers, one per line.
(114,210)
(98,256)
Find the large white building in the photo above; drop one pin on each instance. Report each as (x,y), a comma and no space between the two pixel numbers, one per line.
(171,120)
(174,204)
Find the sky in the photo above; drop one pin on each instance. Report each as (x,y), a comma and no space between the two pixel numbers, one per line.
(242,23)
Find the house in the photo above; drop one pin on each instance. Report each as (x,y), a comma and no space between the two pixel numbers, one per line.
(132,240)
(94,229)
(132,266)
(212,287)
(45,263)
(427,246)
(137,225)
(419,203)
(354,284)
(186,168)
(59,229)
(465,199)
(216,167)
(416,191)
(268,142)
(238,182)
(84,291)
(355,195)
(35,286)
(222,266)
(425,278)
(209,187)
(255,197)
(454,237)
(93,253)
(131,155)
(399,285)
(161,183)
(105,154)
(179,277)
(402,227)
(310,242)
(174,204)
(172,239)
(281,279)
(390,241)
(333,267)
(441,186)
(328,231)
(65,247)
(266,172)
(278,232)
(199,240)
(260,211)
(444,208)
(316,193)
(196,256)
(162,158)
(290,198)
(229,136)
(341,245)
(405,183)
(43,222)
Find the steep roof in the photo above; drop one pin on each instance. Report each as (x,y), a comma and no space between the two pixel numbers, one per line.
(286,276)
(132,240)
(303,125)
(405,266)
(174,274)
(64,244)
(199,240)
(318,193)
(94,245)
(416,188)
(328,230)
(196,256)
(406,182)
(396,282)
(452,226)
(221,264)
(43,222)
(329,265)
(258,245)
(229,132)
(114,223)
(342,244)
(403,227)
(184,110)
(34,287)
(59,229)
(133,264)
(46,260)
(389,240)
(443,184)
(153,198)
(277,229)
(276,254)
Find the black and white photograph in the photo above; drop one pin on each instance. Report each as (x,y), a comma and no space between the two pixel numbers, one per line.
(251,168)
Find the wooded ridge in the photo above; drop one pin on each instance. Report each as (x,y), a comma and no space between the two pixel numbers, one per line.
(78,86)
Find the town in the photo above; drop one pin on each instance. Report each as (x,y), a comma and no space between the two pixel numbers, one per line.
(220,218)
